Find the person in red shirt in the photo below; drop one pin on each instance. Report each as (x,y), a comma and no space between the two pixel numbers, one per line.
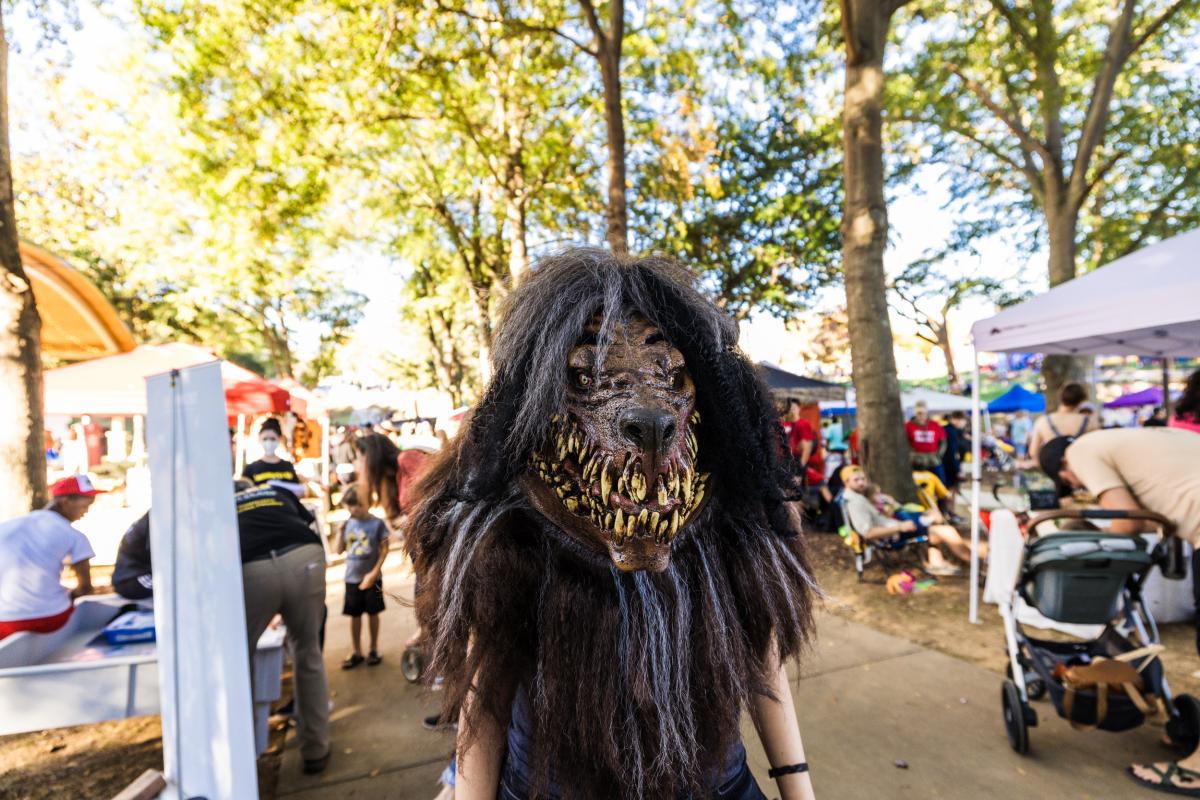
(798,434)
(927,441)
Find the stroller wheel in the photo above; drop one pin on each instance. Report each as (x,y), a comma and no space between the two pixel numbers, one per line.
(1184,726)
(412,664)
(1014,718)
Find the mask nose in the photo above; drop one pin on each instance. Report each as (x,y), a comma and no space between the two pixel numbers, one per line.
(650,429)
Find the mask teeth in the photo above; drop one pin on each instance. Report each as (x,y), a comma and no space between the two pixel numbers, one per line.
(605,482)
(684,483)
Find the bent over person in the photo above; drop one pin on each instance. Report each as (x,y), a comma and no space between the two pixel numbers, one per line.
(609,572)
(1140,469)
(283,572)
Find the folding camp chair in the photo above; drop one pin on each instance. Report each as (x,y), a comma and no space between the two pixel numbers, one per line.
(865,550)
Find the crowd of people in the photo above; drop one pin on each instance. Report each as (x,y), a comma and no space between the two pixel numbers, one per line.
(284,554)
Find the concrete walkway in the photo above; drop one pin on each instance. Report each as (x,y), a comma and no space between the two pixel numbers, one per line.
(866,701)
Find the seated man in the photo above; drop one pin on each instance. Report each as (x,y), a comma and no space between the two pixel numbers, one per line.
(868,521)
(32,551)
(1136,469)
(283,572)
(131,576)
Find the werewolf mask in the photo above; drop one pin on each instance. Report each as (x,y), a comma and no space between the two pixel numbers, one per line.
(622,460)
(606,539)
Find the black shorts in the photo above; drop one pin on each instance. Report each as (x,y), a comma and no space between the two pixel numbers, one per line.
(359,602)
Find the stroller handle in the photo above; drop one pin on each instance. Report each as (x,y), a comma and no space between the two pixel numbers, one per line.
(1165,525)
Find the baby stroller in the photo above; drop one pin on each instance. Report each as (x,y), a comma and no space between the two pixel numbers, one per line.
(1093,577)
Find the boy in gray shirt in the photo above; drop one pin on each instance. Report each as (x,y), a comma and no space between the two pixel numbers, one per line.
(364,539)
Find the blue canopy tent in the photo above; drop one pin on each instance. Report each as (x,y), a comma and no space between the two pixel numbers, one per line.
(1018,398)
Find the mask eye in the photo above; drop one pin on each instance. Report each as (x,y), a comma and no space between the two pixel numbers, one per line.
(678,378)
(581,379)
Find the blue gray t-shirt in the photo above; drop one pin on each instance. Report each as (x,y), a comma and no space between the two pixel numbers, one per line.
(363,538)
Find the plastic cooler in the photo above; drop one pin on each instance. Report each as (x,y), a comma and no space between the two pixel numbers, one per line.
(1077,577)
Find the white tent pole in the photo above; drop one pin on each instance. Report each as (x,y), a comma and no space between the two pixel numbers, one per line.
(976,476)
(239,460)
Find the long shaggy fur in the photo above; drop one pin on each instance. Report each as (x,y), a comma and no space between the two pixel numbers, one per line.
(636,682)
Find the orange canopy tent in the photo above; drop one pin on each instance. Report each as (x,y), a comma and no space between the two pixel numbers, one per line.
(115,386)
(77,321)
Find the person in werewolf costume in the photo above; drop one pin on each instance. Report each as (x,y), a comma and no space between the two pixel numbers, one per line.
(608,570)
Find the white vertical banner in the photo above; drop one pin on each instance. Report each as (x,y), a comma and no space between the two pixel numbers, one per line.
(199,615)
(976,478)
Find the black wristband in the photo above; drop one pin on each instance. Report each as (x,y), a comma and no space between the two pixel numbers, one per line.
(789,769)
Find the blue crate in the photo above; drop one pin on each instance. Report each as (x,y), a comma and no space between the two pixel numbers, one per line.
(130,627)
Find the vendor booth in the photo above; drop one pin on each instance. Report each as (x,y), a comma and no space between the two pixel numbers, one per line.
(784,384)
(78,322)
(1146,397)
(1141,305)
(114,386)
(935,402)
(1018,398)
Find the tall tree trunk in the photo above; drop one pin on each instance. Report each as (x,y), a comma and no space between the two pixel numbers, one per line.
(518,249)
(610,69)
(943,341)
(22,443)
(483,323)
(883,446)
(607,51)
(1061,221)
(281,352)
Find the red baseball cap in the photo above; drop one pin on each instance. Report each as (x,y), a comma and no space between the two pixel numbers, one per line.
(75,484)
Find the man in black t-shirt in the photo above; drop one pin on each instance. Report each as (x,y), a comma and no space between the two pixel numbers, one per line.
(283,572)
(131,575)
(271,519)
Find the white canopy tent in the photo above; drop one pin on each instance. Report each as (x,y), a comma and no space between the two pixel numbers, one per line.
(1141,305)
(936,402)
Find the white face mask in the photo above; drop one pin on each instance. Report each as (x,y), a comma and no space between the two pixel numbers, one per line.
(269,446)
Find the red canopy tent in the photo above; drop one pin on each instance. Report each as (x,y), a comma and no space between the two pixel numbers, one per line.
(114,386)
(305,402)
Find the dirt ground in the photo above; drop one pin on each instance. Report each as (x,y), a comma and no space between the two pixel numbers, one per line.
(937,618)
(94,762)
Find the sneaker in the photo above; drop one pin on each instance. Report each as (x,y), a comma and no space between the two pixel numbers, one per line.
(314,765)
(373,658)
(352,661)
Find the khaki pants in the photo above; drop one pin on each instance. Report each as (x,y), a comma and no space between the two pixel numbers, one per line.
(293,584)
